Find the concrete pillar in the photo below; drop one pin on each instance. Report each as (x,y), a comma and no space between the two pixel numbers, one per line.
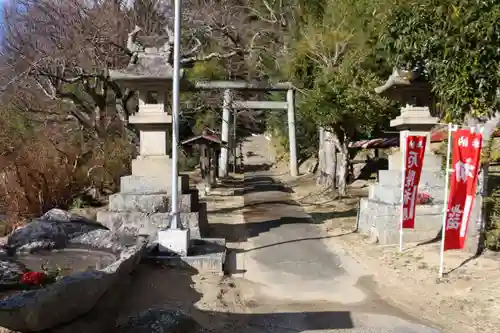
(226,115)
(290,100)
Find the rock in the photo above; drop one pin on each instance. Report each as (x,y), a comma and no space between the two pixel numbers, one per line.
(10,272)
(89,213)
(157,320)
(107,239)
(53,230)
(59,215)
(68,298)
(100,238)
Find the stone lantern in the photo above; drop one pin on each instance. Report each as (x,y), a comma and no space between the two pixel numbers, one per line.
(150,74)
(379,214)
(142,207)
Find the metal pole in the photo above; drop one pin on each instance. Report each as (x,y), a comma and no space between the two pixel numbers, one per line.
(290,100)
(175,114)
(445,204)
(226,114)
(403,140)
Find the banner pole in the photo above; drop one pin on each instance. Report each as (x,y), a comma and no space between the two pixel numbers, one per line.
(403,174)
(445,208)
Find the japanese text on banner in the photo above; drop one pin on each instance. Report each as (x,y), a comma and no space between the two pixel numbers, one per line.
(465,168)
(414,159)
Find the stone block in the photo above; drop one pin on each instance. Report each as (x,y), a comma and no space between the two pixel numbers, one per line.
(431,161)
(428,178)
(189,200)
(137,223)
(154,142)
(392,194)
(380,220)
(203,221)
(157,166)
(174,241)
(147,203)
(152,203)
(151,185)
(474,229)
(414,117)
(148,118)
(205,255)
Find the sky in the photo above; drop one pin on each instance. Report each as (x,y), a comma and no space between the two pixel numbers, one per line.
(1,11)
(1,18)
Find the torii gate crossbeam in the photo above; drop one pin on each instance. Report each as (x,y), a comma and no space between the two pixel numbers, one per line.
(229,104)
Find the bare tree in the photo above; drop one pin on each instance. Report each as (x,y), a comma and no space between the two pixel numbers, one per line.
(64,48)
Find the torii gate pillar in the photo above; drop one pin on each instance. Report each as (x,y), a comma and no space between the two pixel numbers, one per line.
(290,101)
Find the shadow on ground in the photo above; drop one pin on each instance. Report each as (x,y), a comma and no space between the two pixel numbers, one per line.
(323,216)
(256,167)
(263,184)
(257,210)
(162,288)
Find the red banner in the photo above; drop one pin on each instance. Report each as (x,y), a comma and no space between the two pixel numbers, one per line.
(463,182)
(414,158)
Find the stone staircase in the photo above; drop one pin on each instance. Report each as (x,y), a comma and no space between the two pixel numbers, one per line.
(379,215)
(142,207)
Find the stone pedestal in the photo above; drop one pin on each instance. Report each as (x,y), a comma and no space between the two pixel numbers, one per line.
(143,204)
(379,214)
(142,208)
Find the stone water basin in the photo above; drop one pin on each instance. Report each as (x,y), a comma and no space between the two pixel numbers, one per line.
(91,259)
(69,260)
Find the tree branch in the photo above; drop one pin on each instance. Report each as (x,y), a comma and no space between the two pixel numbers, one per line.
(213,55)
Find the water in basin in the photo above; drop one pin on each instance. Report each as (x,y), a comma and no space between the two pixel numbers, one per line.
(67,260)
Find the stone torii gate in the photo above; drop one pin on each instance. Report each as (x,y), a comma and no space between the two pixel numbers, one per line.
(229,104)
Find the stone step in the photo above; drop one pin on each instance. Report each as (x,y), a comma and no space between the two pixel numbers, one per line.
(431,161)
(380,220)
(428,178)
(382,209)
(152,203)
(206,255)
(151,185)
(392,194)
(136,223)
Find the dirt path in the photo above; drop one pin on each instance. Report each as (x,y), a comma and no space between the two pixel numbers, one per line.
(306,285)
(465,301)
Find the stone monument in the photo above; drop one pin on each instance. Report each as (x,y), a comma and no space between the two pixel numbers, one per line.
(143,204)
(379,214)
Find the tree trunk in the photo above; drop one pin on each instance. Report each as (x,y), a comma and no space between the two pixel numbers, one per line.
(334,166)
(321,156)
(213,170)
(330,152)
(343,170)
